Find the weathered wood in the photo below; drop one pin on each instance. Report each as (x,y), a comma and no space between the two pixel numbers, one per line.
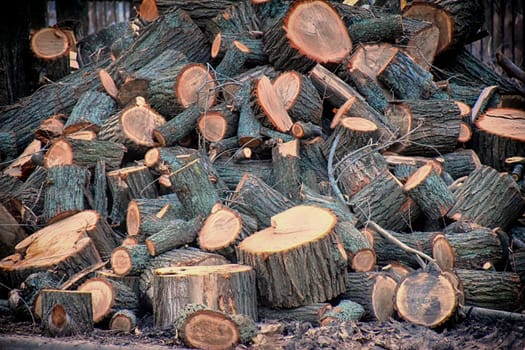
(175,257)
(174,234)
(420,40)
(375,291)
(286,169)
(138,179)
(108,296)
(232,291)
(426,298)
(145,216)
(291,45)
(62,246)
(386,28)
(66,313)
(488,198)
(278,254)
(499,135)
(90,112)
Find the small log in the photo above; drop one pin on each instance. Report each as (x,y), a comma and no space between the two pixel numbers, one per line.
(298,237)
(367,86)
(10,232)
(51,48)
(138,179)
(354,133)
(178,128)
(345,311)
(233,61)
(498,136)
(430,127)
(175,234)
(28,197)
(430,192)
(144,216)
(375,291)
(286,168)
(120,197)
(420,40)
(64,195)
(488,198)
(426,298)
(360,252)
(173,258)
(85,153)
(218,123)
(494,290)
(291,44)
(224,229)
(256,198)
(123,321)
(232,291)
(302,130)
(272,106)
(407,79)
(457,22)
(248,129)
(90,112)
(251,40)
(307,313)
(66,313)
(63,246)
(133,127)
(300,97)
(108,296)
(384,201)
(129,260)
(204,328)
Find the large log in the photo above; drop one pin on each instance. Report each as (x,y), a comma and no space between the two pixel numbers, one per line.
(229,288)
(300,236)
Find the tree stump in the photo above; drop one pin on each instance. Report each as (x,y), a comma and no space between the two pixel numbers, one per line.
(426,298)
(499,134)
(66,313)
(63,246)
(228,288)
(300,236)
(488,198)
(108,296)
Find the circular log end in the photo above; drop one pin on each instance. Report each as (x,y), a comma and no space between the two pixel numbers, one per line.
(213,126)
(208,329)
(121,261)
(221,228)
(196,84)
(383,297)
(152,157)
(49,43)
(59,153)
(288,87)
(297,130)
(138,123)
(316,30)
(418,177)
(506,123)
(443,252)
(102,296)
(363,261)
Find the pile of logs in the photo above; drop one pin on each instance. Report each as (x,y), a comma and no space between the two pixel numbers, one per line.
(226,162)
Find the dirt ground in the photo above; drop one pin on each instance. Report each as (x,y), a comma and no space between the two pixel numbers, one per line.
(469,334)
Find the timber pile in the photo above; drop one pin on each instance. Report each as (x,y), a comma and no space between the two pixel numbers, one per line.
(263,159)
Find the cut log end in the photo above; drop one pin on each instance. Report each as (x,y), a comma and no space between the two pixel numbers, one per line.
(196,84)
(272,105)
(208,329)
(49,43)
(443,252)
(341,112)
(316,30)
(221,228)
(138,124)
(383,295)
(426,299)
(503,122)
(363,261)
(288,87)
(213,126)
(59,153)
(121,261)
(102,296)
(358,124)
(418,176)
(133,218)
(465,133)
(108,83)
(216,45)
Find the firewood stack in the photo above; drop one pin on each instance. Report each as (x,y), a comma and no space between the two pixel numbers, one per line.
(271,155)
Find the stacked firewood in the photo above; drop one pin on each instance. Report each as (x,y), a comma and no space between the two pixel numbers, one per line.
(250,160)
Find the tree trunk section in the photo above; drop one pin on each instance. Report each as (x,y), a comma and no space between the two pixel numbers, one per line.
(129,260)
(175,234)
(123,321)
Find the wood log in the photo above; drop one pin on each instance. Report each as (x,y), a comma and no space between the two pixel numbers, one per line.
(486,207)
(204,328)
(147,216)
(345,311)
(138,179)
(289,243)
(224,229)
(178,128)
(272,106)
(174,234)
(90,112)
(461,162)
(8,149)
(66,313)
(131,281)
(338,92)
(173,258)
(240,17)
(368,87)
(375,291)
(51,47)
(129,259)
(420,40)
(300,97)
(233,61)
(64,196)
(62,246)
(308,130)
(494,290)
(229,288)
(84,153)
(469,94)
(384,201)
(133,127)
(307,313)
(431,127)
(498,136)
(249,39)
(426,298)
(254,197)
(248,129)
(291,45)
(406,78)
(123,321)
(286,168)
(341,210)
(359,250)
(218,123)
(28,198)
(457,23)
(430,192)
(120,197)
(10,232)
(108,296)
(23,165)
